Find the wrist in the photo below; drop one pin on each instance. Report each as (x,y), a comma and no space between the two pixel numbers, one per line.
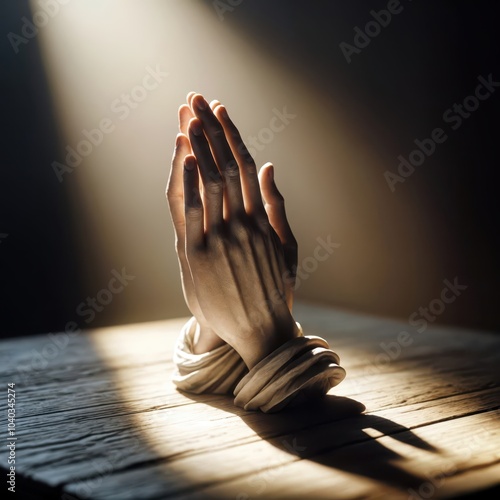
(263,343)
(205,339)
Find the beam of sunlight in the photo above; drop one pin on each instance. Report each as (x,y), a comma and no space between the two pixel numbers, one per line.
(118,70)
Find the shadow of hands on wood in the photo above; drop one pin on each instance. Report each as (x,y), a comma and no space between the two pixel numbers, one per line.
(332,431)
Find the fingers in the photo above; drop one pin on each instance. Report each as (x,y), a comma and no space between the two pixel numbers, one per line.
(175,188)
(185,114)
(275,208)
(189,98)
(222,153)
(214,104)
(213,186)
(248,169)
(193,207)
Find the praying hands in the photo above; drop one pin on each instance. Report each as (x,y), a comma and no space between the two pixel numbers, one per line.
(237,257)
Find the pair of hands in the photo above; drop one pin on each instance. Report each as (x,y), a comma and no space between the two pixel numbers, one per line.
(237,253)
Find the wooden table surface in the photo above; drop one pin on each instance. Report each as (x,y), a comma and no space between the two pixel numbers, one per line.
(97,417)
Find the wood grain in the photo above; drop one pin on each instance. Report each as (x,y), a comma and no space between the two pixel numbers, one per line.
(100,419)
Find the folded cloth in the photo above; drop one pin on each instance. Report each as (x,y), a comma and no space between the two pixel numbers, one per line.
(303,366)
(217,371)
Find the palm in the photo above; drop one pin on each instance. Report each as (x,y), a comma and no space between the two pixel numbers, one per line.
(175,195)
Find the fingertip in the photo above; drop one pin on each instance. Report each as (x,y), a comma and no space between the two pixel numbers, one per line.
(221,112)
(181,140)
(190,163)
(266,172)
(184,110)
(214,104)
(199,103)
(190,97)
(270,171)
(195,126)
(184,115)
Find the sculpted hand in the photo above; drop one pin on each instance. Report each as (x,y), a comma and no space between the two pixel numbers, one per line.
(239,252)
(175,196)
(238,257)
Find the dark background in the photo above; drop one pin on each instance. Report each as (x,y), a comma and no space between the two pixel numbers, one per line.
(441,47)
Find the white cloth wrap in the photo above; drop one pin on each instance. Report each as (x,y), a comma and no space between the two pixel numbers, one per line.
(304,366)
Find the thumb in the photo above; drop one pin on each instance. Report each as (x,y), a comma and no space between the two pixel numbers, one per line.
(274,203)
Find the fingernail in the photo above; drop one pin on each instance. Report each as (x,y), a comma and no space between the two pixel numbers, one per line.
(223,112)
(201,104)
(271,172)
(189,163)
(196,127)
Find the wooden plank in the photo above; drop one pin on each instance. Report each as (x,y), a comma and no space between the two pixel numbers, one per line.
(90,384)
(97,397)
(171,438)
(393,468)
(280,442)
(73,419)
(93,387)
(104,412)
(357,335)
(39,353)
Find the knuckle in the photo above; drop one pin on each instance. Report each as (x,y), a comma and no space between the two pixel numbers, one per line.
(241,230)
(262,220)
(214,187)
(278,199)
(169,191)
(231,169)
(250,166)
(173,195)
(276,203)
(216,245)
(218,131)
(194,252)
(243,150)
(194,213)
(180,247)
